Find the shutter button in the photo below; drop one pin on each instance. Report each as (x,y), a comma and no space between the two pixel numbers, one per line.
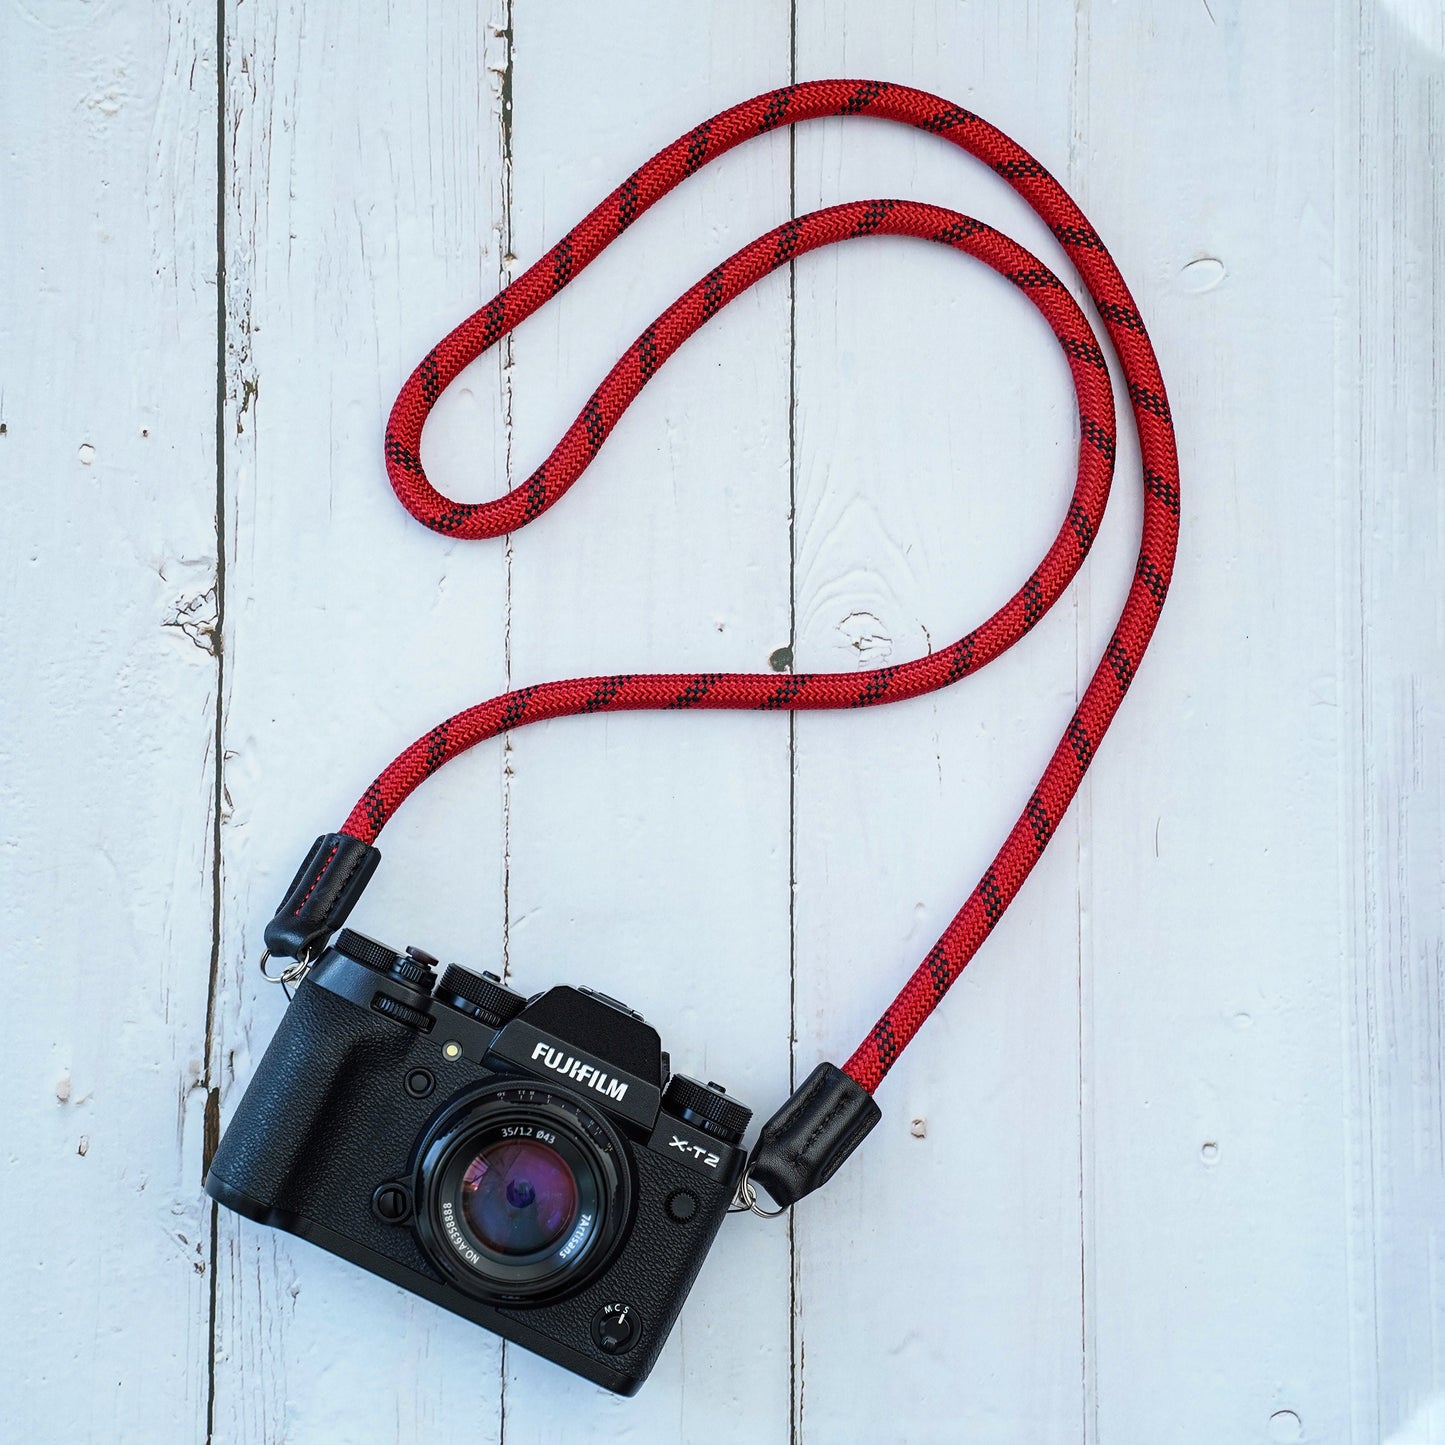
(616,1328)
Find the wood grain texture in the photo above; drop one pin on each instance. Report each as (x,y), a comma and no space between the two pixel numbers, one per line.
(364,189)
(1216,1165)
(936,454)
(1169,1164)
(667,834)
(107,709)
(1390,440)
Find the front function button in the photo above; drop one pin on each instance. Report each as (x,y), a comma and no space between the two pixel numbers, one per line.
(681,1206)
(616,1328)
(419,1083)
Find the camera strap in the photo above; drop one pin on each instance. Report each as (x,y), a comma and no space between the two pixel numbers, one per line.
(828,1115)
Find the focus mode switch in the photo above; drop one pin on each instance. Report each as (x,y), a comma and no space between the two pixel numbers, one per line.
(616,1328)
(392,1203)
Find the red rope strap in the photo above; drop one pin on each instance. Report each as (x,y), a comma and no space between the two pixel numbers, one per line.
(1101,699)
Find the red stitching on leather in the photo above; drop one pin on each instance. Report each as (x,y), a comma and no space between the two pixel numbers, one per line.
(1159,541)
(330,858)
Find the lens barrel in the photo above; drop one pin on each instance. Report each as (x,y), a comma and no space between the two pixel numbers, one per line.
(523,1193)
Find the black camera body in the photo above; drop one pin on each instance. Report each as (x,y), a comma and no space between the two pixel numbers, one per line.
(527,1164)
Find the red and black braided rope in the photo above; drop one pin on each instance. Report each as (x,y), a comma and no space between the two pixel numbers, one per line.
(1030,835)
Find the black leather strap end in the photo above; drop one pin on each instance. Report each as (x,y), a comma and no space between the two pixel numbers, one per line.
(322,893)
(803,1144)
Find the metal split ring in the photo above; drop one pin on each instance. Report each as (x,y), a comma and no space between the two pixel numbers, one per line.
(745,1200)
(293,972)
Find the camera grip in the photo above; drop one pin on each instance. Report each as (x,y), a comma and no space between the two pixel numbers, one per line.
(287,1134)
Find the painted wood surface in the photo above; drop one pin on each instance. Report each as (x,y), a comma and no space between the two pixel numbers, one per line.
(1168,1165)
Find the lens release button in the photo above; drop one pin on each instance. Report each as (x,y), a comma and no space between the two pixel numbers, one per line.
(616,1328)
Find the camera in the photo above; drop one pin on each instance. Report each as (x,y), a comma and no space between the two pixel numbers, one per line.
(529,1164)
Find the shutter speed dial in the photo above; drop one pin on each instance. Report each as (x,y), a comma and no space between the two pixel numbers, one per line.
(412,968)
(366,950)
(482,996)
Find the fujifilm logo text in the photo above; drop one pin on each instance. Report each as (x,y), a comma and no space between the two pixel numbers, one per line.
(579,1071)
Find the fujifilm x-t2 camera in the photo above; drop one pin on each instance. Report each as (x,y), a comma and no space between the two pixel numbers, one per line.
(528,1164)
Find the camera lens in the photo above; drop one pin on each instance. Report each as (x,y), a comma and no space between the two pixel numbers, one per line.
(523,1193)
(519,1197)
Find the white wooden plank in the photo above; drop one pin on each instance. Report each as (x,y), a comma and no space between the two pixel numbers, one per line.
(1390,134)
(649,852)
(1214,940)
(1235,941)
(939,1273)
(364,152)
(107,711)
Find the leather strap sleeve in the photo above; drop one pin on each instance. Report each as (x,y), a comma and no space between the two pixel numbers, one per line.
(804,1143)
(321,895)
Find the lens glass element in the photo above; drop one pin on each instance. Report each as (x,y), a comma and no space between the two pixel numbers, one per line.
(519,1196)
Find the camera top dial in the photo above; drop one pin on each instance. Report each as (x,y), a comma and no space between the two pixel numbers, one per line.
(481,995)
